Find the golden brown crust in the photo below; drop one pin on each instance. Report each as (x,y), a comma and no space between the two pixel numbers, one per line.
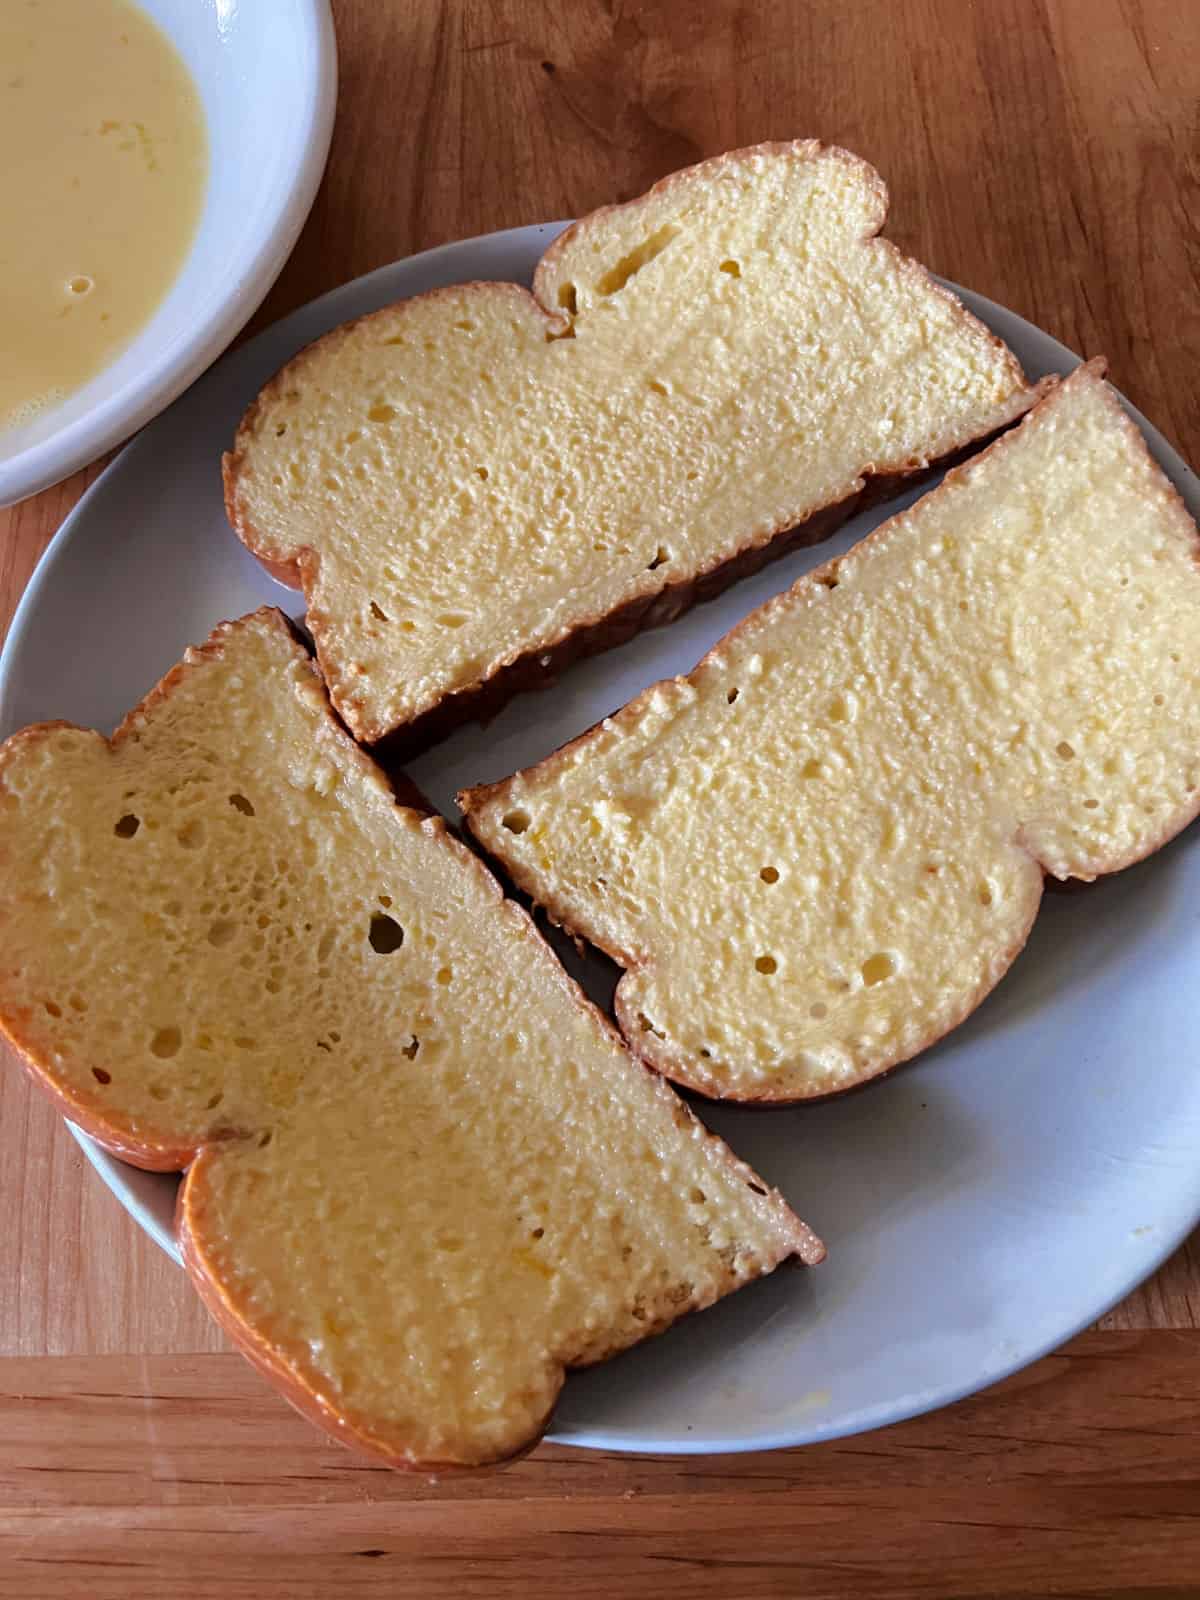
(661,599)
(672,1063)
(30,1050)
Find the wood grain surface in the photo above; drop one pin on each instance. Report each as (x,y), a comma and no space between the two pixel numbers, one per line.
(1045,152)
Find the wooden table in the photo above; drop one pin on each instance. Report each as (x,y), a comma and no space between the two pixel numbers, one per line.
(1048,154)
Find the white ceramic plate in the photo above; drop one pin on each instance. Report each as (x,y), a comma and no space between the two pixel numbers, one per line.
(980,1206)
(267,79)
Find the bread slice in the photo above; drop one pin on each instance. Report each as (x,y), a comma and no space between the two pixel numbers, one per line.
(821,849)
(424,1175)
(475,486)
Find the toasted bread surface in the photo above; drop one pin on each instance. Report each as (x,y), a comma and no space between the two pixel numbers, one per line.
(424,1174)
(481,482)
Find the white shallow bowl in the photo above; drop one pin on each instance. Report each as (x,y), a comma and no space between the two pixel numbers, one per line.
(266,73)
(980,1205)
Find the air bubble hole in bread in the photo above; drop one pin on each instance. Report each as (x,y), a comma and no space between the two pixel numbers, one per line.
(476,485)
(424,1175)
(817,852)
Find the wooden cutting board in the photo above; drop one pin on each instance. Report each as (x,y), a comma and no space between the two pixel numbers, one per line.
(1048,155)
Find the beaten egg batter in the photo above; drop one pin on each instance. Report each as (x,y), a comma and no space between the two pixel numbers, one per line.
(103,162)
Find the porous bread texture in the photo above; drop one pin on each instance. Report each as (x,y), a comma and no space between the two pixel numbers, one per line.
(424,1174)
(819,851)
(479,484)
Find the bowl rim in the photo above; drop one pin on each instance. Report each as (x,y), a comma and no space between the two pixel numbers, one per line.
(120,414)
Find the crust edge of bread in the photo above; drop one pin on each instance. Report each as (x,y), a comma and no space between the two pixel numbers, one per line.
(658,602)
(677,1064)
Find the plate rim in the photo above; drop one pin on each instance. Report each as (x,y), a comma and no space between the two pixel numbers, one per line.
(114,1173)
